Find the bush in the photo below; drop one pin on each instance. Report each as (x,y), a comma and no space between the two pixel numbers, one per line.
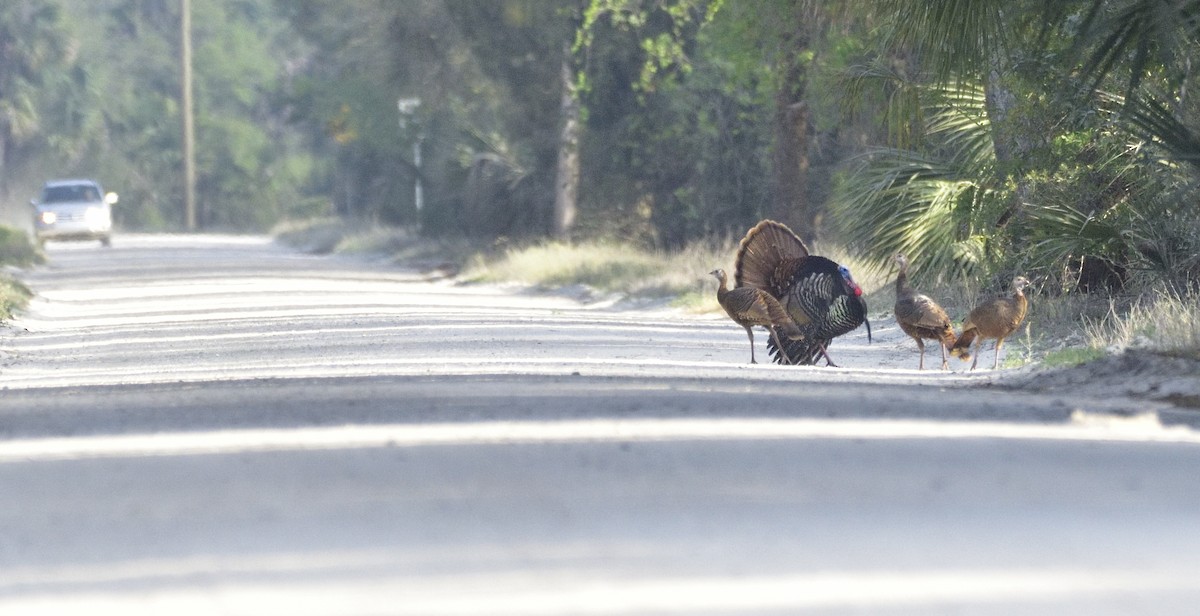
(13,295)
(17,249)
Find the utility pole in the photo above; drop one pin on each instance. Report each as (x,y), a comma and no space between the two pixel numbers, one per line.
(189,130)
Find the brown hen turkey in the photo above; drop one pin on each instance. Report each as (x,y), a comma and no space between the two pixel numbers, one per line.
(748,307)
(919,316)
(996,319)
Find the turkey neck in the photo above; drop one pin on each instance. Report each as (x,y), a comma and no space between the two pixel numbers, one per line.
(721,290)
(1021,302)
(902,281)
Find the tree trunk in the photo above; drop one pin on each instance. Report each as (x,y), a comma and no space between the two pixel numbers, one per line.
(791,170)
(566,181)
(792,137)
(1012,141)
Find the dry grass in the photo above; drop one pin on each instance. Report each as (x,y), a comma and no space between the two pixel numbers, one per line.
(314,236)
(332,236)
(610,268)
(1163,321)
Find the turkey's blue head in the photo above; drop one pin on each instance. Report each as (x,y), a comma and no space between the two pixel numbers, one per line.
(850,284)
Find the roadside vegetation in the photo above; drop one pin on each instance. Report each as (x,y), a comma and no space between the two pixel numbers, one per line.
(1164,322)
(15,250)
(679,276)
(13,297)
(596,267)
(1063,329)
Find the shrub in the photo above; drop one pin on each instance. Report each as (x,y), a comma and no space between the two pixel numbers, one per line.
(17,249)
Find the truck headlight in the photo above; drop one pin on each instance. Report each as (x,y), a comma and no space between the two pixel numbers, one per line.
(49,218)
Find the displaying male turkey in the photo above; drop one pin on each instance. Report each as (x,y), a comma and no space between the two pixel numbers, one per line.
(997,318)
(920,317)
(820,295)
(748,306)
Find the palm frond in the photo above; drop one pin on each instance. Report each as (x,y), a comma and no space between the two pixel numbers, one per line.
(954,37)
(958,119)
(898,200)
(900,98)
(1153,121)
(1132,34)
(1065,230)
(928,202)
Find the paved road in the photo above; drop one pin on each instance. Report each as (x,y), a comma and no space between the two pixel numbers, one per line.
(215,425)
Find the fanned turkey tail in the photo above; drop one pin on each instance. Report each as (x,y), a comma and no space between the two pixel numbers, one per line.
(766,257)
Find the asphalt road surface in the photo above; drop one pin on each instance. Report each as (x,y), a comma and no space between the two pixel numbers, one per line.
(217,425)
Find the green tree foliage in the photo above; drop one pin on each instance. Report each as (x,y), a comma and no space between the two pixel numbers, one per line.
(112,112)
(680,131)
(243,149)
(1065,186)
(342,98)
(675,143)
(509,189)
(936,204)
(35,59)
(731,122)
(486,78)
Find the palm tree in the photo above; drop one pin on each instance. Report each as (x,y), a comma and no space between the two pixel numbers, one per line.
(938,195)
(1065,176)
(934,201)
(1144,51)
